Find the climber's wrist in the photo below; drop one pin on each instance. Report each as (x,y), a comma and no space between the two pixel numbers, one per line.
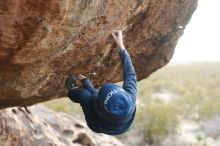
(122,47)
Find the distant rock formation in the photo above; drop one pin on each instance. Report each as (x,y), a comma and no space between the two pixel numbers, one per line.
(42,41)
(40,126)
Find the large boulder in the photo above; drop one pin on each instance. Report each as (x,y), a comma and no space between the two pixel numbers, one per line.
(42,41)
(40,126)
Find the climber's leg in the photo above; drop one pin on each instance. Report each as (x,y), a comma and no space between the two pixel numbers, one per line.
(90,115)
(79,95)
(87,84)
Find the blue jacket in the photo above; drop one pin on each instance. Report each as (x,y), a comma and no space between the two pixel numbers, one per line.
(93,119)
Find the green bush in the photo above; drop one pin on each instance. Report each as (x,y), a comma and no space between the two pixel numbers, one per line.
(156,120)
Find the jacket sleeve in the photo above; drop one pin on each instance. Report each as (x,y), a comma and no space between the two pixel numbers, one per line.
(129,75)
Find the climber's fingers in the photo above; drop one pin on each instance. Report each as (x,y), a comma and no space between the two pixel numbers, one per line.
(118,33)
(114,36)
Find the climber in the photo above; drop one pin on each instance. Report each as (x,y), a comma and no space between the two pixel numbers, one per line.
(111,109)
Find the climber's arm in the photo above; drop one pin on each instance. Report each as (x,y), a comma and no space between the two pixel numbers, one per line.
(129,75)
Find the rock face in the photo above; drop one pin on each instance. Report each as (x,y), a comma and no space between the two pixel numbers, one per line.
(39,126)
(42,41)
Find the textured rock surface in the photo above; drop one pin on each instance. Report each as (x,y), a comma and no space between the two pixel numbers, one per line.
(39,126)
(42,41)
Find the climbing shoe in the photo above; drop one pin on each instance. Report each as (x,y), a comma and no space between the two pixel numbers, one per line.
(71,83)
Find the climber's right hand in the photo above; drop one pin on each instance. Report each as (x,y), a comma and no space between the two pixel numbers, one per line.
(118,38)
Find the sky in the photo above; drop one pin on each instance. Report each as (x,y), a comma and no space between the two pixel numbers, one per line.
(201,39)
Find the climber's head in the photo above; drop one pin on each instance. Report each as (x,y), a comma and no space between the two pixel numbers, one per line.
(114,106)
